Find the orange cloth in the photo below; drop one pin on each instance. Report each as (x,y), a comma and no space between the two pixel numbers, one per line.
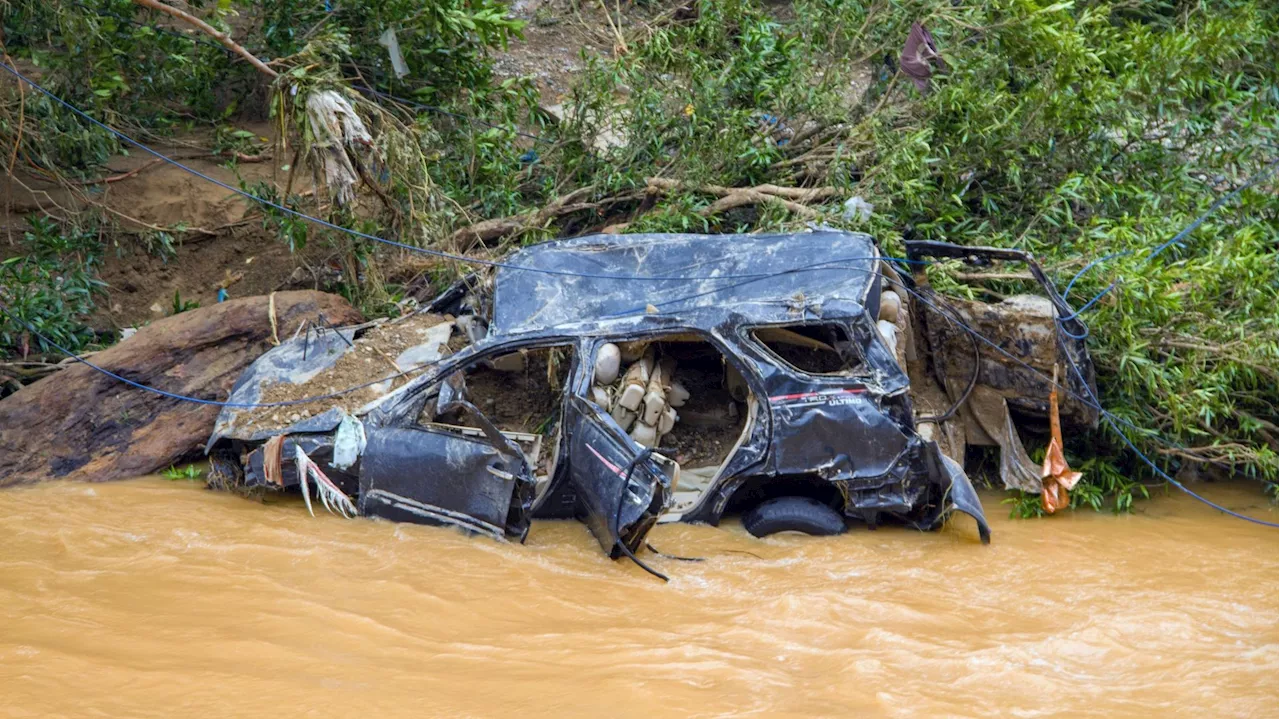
(1056,476)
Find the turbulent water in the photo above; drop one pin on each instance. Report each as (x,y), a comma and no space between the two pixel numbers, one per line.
(155,598)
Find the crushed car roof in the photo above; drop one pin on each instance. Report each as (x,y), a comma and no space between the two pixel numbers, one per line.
(738,273)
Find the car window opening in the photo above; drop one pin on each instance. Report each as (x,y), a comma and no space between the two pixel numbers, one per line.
(824,348)
(681,397)
(520,393)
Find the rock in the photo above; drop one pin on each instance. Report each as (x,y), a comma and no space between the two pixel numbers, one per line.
(80,424)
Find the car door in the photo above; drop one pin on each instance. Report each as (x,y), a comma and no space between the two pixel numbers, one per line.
(622,489)
(476,479)
(830,420)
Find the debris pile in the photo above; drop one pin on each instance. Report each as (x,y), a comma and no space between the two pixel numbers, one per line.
(383,350)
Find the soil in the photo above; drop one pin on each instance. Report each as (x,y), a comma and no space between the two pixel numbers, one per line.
(373,358)
(808,359)
(553,39)
(521,401)
(224,244)
(246,261)
(708,428)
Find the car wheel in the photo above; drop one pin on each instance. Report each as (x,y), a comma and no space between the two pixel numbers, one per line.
(793,514)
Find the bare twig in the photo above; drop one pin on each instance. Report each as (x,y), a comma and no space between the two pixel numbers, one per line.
(154,228)
(122,176)
(987,276)
(212,32)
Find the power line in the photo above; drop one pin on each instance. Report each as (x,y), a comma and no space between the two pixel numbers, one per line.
(1090,399)
(1182,234)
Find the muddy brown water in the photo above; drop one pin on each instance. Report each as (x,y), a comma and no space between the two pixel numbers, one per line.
(153,598)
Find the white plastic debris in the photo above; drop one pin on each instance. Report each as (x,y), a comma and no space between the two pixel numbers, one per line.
(635,383)
(677,395)
(889,331)
(890,304)
(335,129)
(608,363)
(667,421)
(857,208)
(389,41)
(623,416)
(348,442)
(644,435)
(432,348)
(600,396)
(330,495)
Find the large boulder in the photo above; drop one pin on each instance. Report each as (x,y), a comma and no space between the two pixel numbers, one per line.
(81,424)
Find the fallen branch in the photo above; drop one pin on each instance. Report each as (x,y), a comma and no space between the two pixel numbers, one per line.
(122,176)
(156,228)
(987,276)
(501,227)
(212,32)
(792,198)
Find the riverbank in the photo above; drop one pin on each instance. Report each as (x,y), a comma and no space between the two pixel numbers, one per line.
(156,598)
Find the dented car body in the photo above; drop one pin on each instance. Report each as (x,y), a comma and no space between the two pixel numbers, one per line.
(622,380)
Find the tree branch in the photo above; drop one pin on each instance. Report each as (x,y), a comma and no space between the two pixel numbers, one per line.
(211,31)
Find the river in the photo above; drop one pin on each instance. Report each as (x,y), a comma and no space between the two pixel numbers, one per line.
(154,598)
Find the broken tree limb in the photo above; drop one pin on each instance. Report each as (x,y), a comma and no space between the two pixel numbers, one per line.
(122,176)
(792,198)
(498,228)
(211,31)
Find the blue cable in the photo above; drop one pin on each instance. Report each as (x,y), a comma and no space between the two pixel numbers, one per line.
(1111,422)
(492,263)
(1067,292)
(1161,248)
(1091,400)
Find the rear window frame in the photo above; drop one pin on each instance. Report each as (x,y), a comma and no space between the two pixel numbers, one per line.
(861,368)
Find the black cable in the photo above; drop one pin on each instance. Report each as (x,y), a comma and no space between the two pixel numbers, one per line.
(643,456)
(973,382)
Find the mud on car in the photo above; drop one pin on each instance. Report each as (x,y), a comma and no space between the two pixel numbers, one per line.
(621,380)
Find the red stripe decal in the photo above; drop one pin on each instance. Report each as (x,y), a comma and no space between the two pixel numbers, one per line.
(612,467)
(811,395)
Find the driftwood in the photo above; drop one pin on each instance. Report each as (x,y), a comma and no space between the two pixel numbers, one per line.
(80,424)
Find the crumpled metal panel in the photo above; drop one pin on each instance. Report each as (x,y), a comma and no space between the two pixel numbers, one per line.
(621,497)
(294,360)
(526,300)
(437,477)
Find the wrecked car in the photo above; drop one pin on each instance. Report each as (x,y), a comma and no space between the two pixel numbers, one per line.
(622,380)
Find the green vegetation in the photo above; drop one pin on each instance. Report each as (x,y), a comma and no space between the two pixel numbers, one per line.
(1073,130)
(190,472)
(49,284)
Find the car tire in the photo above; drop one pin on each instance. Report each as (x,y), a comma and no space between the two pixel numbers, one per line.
(793,514)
